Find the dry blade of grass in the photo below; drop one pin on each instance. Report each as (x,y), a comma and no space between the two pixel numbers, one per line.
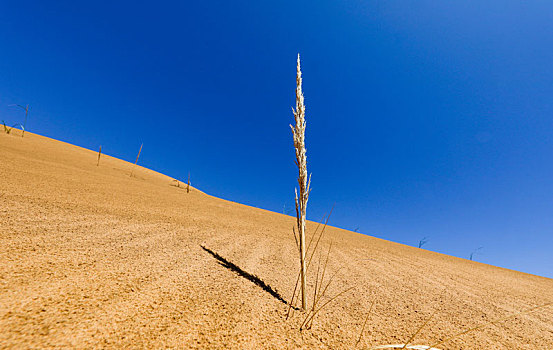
(137,156)
(299,272)
(322,294)
(291,304)
(309,318)
(324,268)
(99,154)
(425,323)
(310,259)
(319,239)
(491,323)
(188,187)
(317,292)
(6,129)
(26,109)
(296,239)
(316,285)
(304,181)
(364,324)
(419,329)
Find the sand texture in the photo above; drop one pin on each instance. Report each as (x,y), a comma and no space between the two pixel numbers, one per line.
(93,258)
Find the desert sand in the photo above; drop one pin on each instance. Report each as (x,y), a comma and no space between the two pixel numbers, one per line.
(93,258)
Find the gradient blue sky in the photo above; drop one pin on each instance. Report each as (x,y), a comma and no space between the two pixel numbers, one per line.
(425,118)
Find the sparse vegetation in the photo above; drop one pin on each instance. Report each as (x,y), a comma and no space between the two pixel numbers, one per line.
(137,156)
(6,129)
(99,154)
(298,132)
(423,242)
(26,109)
(301,198)
(188,186)
(474,252)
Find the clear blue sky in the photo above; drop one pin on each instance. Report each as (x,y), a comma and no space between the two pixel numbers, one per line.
(425,118)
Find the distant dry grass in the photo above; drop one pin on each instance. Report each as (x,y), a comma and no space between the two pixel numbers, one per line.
(99,154)
(137,156)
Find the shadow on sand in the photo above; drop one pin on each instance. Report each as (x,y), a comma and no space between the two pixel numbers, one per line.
(253,278)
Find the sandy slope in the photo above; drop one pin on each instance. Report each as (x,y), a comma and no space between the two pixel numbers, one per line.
(92,258)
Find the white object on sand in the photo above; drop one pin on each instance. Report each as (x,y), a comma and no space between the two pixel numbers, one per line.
(401,346)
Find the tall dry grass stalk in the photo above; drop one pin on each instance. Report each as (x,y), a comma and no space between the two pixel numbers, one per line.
(188,186)
(304,181)
(136,161)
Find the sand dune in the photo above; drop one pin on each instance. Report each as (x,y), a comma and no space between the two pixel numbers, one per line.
(92,258)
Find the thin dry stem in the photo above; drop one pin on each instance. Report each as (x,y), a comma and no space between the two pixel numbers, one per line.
(323,293)
(318,291)
(138,155)
(293,296)
(364,324)
(419,329)
(308,247)
(316,285)
(319,239)
(296,238)
(324,268)
(309,318)
(99,154)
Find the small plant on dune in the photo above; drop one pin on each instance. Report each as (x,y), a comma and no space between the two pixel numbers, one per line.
(138,155)
(99,154)
(423,242)
(474,252)
(321,285)
(188,186)
(301,198)
(26,109)
(298,132)
(6,129)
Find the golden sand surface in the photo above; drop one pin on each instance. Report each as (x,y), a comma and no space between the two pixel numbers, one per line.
(93,258)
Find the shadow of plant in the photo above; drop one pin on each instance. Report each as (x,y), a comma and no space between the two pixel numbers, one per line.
(252,278)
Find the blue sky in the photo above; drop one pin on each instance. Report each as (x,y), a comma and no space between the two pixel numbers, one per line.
(425,118)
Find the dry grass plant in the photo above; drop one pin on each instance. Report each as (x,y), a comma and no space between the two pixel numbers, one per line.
(301,198)
(6,129)
(364,324)
(99,155)
(136,161)
(298,132)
